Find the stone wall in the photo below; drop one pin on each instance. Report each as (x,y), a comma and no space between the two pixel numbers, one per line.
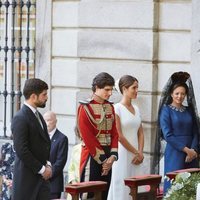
(80,38)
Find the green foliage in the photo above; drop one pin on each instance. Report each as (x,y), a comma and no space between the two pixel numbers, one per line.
(183,187)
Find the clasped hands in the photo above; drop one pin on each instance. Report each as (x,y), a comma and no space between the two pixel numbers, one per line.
(191,155)
(47,174)
(107,165)
(137,158)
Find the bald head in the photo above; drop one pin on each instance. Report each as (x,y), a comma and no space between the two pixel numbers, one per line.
(50,119)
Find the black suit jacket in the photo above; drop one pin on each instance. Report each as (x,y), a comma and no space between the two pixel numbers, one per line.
(32,146)
(58,158)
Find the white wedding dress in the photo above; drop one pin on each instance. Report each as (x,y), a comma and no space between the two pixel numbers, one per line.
(123,168)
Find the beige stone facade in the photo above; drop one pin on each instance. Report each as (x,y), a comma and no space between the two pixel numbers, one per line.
(149,39)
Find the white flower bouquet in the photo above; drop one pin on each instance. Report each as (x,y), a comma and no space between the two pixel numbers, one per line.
(183,187)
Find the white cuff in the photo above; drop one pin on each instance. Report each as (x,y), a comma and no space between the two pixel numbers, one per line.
(49,163)
(42,170)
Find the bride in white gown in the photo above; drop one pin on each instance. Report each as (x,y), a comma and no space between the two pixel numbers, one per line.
(131,140)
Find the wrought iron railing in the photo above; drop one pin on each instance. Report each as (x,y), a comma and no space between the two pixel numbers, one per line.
(17,55)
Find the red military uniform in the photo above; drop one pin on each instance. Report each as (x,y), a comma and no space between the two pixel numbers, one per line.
(97,127)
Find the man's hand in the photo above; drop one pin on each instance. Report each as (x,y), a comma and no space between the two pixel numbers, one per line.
(107,165)
(47,173)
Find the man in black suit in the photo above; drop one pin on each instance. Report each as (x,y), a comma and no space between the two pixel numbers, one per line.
(58,154)
(32,169)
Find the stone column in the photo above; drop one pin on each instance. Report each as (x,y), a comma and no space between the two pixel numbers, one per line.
(195,51)
(43,42)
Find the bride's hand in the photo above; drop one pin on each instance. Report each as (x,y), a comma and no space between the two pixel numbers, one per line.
(140,157)
(137,159)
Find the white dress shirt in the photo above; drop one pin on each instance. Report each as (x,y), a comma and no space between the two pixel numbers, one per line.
(51,134)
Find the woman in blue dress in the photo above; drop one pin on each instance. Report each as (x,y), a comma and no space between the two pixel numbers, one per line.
(6,169)
(178,125)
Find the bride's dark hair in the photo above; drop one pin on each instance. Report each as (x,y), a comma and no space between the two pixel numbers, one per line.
(126,81)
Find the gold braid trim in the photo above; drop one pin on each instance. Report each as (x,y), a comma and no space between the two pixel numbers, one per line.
(90,117)
(77,122)
(103,113)
(99,152)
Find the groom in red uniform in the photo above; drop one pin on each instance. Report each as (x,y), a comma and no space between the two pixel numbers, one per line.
(96,123)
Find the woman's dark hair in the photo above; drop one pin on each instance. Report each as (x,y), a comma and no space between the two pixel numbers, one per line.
(126,81)
(101,80)
(34,86)
(176,85)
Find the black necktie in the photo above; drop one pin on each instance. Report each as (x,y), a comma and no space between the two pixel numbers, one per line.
(38,118)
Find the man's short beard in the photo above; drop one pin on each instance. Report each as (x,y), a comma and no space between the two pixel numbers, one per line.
(41,105)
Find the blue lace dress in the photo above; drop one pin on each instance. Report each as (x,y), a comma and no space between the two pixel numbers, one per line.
(6,168)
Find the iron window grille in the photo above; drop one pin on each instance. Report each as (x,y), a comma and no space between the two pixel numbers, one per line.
(17,55)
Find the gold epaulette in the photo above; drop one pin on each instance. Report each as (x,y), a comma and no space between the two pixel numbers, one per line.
(85,102)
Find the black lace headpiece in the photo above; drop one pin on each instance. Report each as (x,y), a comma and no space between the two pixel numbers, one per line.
(176,78)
